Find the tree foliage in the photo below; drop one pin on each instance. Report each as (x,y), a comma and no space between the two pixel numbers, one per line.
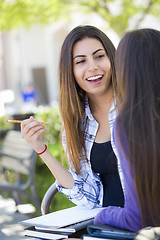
(116,13)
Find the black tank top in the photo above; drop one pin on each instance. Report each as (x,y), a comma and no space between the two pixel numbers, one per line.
(104,162)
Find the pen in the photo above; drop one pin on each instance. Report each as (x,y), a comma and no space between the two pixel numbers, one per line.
(19,121)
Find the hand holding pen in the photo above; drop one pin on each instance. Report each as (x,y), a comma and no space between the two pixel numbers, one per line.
(32,132)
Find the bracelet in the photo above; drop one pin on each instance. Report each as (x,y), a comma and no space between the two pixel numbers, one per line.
(43,150)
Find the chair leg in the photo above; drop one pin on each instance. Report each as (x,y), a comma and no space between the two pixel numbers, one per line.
(17,198)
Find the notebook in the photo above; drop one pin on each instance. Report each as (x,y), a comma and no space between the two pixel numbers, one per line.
(65,222)
(109,232)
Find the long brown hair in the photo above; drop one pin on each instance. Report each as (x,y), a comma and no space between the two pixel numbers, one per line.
(137,64)
(71,96)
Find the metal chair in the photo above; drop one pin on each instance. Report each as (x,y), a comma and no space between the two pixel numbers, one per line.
(17,157)
(48,198)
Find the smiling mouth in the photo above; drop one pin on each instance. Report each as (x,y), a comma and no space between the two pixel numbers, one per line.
(98,77)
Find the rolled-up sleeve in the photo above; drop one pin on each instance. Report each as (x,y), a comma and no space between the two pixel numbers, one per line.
(86,192)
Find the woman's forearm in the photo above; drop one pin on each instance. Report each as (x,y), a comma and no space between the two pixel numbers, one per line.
(62,175)
(32,132)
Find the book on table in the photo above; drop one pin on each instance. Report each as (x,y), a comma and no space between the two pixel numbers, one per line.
(60,224)
(45,234)
(88,237)
(108,232)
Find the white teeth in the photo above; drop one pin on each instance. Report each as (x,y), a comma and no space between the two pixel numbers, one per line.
(94,78)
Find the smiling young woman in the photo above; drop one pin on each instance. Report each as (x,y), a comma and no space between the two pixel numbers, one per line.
(87,107)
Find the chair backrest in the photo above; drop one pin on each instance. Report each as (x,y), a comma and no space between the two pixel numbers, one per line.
(48,198)
(16,153)
(18,157)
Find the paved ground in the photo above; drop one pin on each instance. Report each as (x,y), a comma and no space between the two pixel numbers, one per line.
(10,229)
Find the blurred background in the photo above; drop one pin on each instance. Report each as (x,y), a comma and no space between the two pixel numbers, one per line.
(31,35)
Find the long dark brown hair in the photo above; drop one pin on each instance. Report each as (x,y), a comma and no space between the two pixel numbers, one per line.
(71,96)
(137,64)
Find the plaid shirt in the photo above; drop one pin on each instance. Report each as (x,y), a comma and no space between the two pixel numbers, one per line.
(88,189)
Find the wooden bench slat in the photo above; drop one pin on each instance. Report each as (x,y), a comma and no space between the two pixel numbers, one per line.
(18,156)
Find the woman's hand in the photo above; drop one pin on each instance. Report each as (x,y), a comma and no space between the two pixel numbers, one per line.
(32,131)
(148,233)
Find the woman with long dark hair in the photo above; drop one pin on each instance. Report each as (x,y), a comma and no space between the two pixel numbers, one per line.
(136,132)
(87,107)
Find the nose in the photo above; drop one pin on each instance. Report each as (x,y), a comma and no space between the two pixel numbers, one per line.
(92,65)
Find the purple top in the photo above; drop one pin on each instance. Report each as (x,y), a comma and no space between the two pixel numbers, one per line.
(128,217)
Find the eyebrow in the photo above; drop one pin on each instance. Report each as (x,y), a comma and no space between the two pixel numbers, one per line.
(92,53)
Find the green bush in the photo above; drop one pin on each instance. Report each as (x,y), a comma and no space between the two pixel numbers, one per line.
(50,115)
(4,126)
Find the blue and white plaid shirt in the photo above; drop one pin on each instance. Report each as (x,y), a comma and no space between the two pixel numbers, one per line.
(88,189)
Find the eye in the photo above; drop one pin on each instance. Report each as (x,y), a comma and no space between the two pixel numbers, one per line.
(80,61)
(100,56)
